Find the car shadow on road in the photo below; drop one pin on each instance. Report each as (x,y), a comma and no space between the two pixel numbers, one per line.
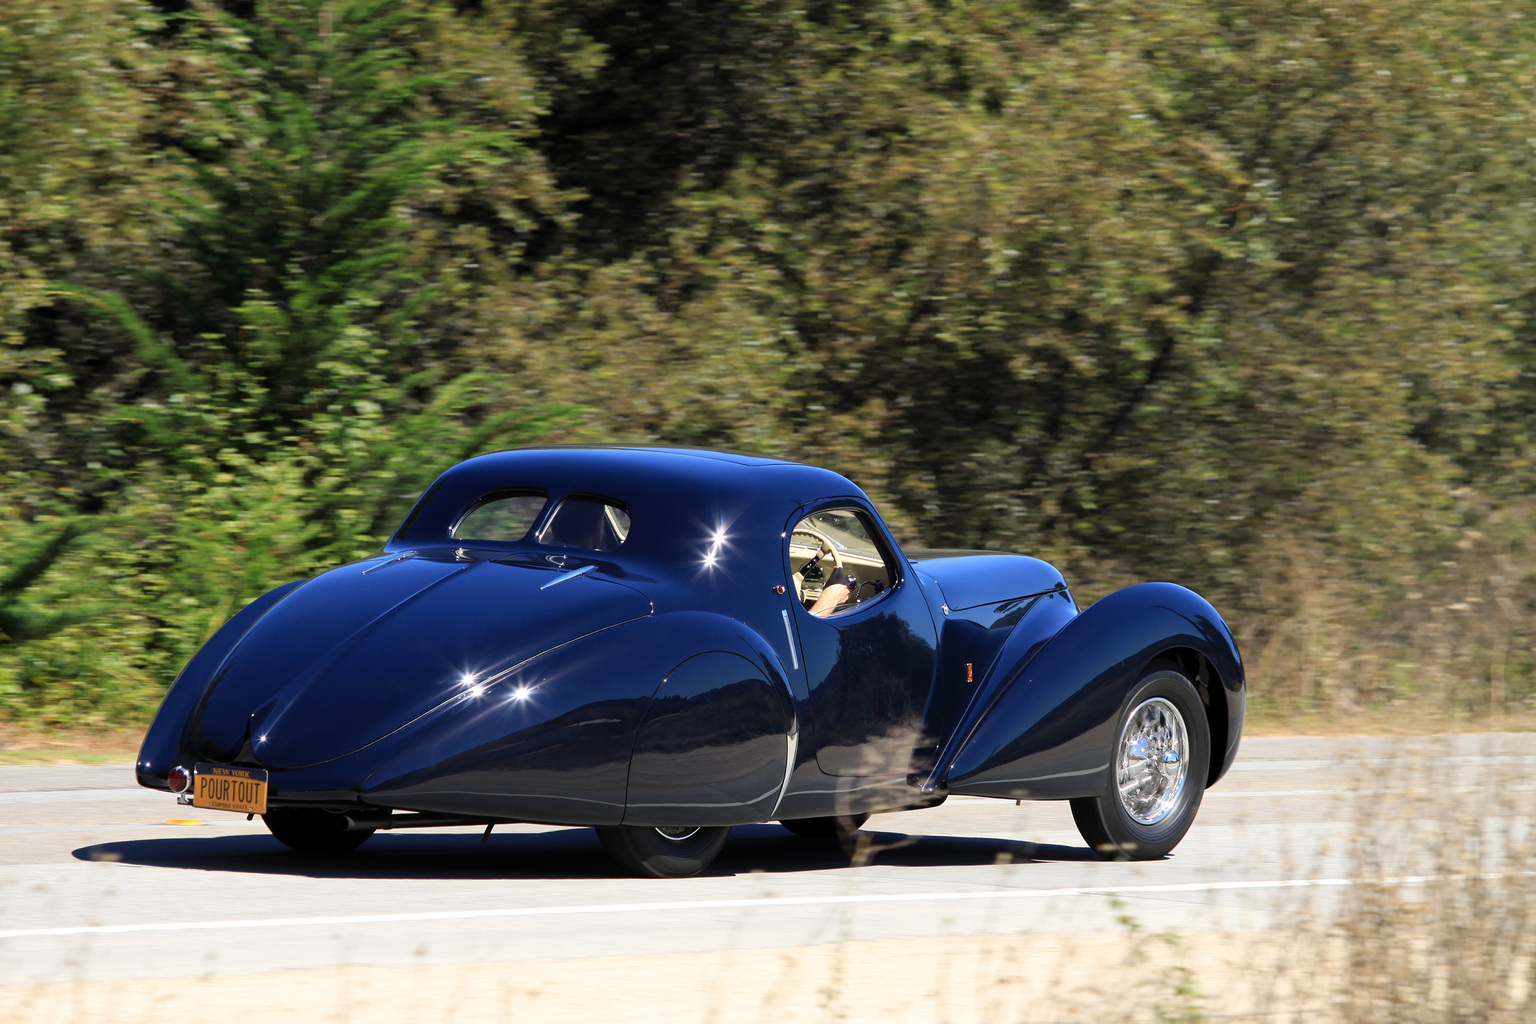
(562,853)
(767,848)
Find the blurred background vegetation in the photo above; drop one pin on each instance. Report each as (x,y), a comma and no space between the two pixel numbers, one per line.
(1234,293)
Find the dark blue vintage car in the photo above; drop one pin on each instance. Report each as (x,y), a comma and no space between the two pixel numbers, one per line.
(663,643)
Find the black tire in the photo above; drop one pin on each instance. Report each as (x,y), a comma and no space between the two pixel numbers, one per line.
(1149,819)
(312,830)
(834,826)
(663,853)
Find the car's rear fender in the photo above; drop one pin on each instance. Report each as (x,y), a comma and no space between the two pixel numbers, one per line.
(1045,734)
(166,741)
(361,651)
(553,741)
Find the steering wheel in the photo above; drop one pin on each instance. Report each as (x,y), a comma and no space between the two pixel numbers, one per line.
(822,541)
(811,572)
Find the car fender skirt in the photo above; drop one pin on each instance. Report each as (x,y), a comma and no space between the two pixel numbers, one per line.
(714,746)
(1046,735)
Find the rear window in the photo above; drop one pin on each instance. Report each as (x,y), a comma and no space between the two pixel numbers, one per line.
(501,517)
(588,524)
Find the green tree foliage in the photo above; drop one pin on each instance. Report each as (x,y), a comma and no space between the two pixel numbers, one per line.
(272,393)
(1228,293)
(76,186)
(1068,263)
(18,622)
(1170,290)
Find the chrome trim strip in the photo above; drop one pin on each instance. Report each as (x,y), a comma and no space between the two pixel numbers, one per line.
(792,742)
(794,659)
(392,561)
(568,576)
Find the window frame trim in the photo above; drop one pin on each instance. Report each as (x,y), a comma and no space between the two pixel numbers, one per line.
(887,548)
(494,496)
(547,516)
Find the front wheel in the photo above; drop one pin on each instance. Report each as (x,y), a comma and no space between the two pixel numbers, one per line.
(1158,766)
(663,852)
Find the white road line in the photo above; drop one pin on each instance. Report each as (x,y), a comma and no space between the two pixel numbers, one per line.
(651,908)
(1347,762)
(1217,792)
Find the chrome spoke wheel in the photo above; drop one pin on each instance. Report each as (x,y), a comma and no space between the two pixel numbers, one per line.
(1153,761)
(1158,765)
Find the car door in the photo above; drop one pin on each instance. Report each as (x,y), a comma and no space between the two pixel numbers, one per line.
(869,661)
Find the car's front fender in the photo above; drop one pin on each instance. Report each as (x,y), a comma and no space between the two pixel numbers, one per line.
(1046,733)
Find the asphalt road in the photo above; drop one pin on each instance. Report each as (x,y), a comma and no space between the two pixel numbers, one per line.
(101,881)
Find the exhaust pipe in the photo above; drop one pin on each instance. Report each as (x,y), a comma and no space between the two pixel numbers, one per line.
(374,820)
(364,821)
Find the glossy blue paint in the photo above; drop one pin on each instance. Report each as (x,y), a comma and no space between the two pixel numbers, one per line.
(996,641)
(667,680)
(554,741)
(970,579)
(1046,733)
(340,662)
(869,670)
(714,746)
(165,744)
(548,741)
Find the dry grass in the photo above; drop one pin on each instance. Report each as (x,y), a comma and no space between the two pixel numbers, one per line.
(1439,924)
(1442,929)
(72,746)
(1453,643)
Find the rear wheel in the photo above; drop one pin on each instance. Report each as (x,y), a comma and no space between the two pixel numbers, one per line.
(312,830)
(834,826)
(663,852)
(1157,771)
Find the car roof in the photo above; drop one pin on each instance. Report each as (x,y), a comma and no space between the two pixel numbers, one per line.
(654,483)
(685,451)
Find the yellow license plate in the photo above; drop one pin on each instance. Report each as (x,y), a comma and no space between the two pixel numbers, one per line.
(222,788)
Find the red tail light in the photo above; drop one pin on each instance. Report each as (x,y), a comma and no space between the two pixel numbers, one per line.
(180,780)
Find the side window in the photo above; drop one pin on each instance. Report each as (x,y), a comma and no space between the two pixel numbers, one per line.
(835,562)
(591,524)
(501,516)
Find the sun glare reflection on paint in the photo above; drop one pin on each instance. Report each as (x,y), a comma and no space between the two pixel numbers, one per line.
(716,540)
(520,693)
(716,545)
